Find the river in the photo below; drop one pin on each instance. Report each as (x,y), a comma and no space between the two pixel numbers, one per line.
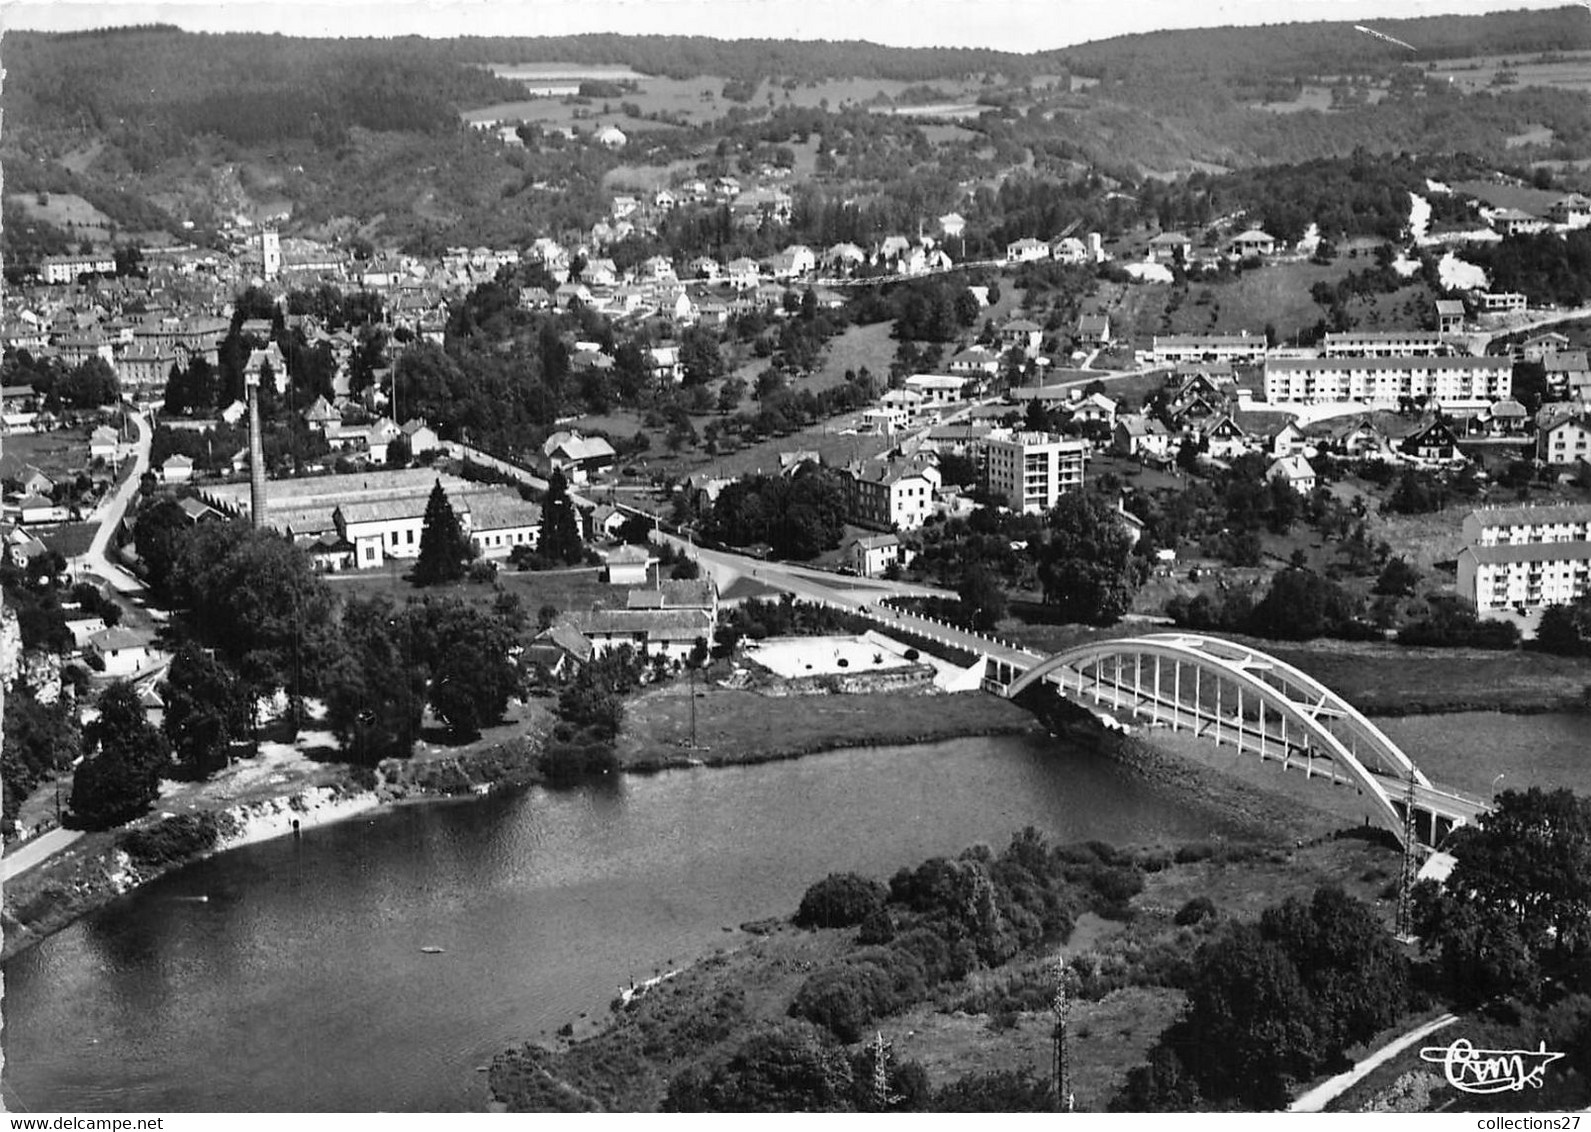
(289,975)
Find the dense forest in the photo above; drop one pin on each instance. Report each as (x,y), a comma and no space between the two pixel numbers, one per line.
(1250,59)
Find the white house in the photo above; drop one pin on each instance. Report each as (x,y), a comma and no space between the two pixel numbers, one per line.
(1295,472)
(1026,250)
(871,555)
(123,651)
(176,469)
(627,565)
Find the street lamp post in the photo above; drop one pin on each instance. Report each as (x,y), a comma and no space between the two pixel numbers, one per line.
(1495,781)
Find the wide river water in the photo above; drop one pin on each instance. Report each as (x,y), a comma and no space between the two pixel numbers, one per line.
(289,975)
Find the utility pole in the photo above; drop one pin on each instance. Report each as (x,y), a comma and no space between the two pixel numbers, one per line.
(883,1095)
(692,668)
(1060,1007)
(1411,865)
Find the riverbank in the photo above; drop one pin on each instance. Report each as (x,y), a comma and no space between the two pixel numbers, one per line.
(99,867)
(734,727)
(996,1019)
(286,787)
(260,798)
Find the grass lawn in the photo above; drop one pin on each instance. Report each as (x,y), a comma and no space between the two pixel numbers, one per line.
(738,726)
(858,346)
(1391,680)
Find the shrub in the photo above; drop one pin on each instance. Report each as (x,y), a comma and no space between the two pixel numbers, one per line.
(840,900)
(577,755)
(844,998)
(172,840)
(1195,911)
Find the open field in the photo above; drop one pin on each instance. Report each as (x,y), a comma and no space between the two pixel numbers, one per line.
(1277,294)
(741,726)
(1565,72)
(67,211)
(857,346)
(53,453)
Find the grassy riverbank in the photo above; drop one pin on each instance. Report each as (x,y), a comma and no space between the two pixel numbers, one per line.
(1389,679)
(994,1019)
(744,727)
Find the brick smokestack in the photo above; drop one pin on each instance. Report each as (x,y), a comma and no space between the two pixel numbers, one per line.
(256,456)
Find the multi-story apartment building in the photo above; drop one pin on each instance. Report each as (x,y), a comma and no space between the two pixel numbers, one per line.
(1525,576)
(1175,349)
(1032,469)
(1454,383)
(1522,526)
(892,494)
(66,268)
(1384,344)
(1525,557)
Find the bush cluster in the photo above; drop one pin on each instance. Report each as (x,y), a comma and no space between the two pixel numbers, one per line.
(172,840)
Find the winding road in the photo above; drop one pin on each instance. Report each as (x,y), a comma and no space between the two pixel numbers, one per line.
(109,515)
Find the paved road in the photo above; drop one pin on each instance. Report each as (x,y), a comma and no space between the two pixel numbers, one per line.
(35,851)
(1317,1098)
(109,515)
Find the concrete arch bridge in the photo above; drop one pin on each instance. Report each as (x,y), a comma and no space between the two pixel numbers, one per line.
(1237,695)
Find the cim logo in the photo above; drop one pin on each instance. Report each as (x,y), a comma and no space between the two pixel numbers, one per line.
(1472,1070)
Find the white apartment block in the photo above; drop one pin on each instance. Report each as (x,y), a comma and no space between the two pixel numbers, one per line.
(1175,349)
(1525,556)
(1384,344)
(1524,576)
(1522,526)
(1032,469)
(66,268)
(1454,383)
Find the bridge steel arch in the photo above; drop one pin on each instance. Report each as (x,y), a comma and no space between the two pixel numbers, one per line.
(1293,694)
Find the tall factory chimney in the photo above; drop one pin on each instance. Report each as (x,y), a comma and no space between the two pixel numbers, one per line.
(256,455)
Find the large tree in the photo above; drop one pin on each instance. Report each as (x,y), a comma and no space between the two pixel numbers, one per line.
(467,650)
(375,690)
(159,534)
(1086,566)
(1522,886)
(121,779)
(207,709)
(255,598)
(983,598)
(444,550)
(560,527)
(699,356)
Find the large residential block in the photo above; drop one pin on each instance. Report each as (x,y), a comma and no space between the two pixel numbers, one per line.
(1454,383)
(1521,526)
(1384,344)
(1524,557)
(1523,576)
(1032,469)
(1175,349)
